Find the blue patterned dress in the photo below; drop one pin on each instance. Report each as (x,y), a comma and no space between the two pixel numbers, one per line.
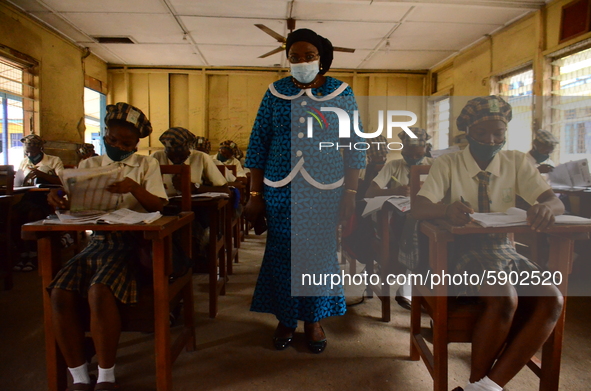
(302,218)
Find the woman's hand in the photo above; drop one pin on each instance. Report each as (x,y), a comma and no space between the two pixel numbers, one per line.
(347,207)
(402,191)
(254,208)
(458,213)
(540,217)
(127,185)
(56,198)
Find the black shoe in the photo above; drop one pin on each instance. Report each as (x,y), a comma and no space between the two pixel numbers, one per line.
(403,302)
(458,389)
(317,346)
(282,343)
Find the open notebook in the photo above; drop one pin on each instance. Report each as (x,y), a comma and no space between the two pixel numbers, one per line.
(376,203)
(516,216)
(119,216)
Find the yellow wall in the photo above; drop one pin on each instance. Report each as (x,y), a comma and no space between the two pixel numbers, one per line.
(61,77)
(523,43)
(222,104)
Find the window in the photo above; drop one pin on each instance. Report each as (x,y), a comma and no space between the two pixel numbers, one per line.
(16,110)
(95,105)
(570,106)
(516,89)
(438,122)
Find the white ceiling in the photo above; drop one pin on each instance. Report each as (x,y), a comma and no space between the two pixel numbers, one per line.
(386,34)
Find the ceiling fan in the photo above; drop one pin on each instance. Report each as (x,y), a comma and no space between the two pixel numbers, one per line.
(281,39)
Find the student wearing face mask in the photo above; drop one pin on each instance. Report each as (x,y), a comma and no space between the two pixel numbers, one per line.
(303,191)
(542,147)
(205,176)
(36,168)
(394,177)
(516,320)
(106,273)
(227,155)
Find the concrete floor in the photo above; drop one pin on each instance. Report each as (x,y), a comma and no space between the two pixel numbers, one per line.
(234,351)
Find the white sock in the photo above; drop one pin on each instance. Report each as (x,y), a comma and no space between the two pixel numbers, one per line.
(106,375)
(80,374)
(484,384)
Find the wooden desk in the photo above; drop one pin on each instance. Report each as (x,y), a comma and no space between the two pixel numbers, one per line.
(583,197)
(160,234)
(441,233)
(217,208)
(6,257)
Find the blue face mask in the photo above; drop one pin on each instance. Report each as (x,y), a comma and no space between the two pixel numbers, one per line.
(305,72)
(412,162)
(484,152)
(36,159)
(538,156)
(116,154)
(221,157)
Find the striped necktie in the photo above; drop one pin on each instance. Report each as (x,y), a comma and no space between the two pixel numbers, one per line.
(483,198)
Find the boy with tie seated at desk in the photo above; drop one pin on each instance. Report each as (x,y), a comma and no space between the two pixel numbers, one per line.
(104,273)
(542,147)
(485,176)
(393,179)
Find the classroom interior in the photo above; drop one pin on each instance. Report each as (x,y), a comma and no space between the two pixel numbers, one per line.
(55,80)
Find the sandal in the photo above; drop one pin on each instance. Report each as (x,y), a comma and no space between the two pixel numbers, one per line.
(106,386)
(28,267)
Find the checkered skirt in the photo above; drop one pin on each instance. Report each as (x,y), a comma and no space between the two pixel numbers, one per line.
(479,252)
(109,259)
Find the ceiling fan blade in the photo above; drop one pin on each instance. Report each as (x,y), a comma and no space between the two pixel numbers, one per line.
(279,49)
(277,36)
(346,50)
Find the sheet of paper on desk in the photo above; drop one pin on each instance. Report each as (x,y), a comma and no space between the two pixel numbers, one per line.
(516,217)
(120,216)
(572,174)
(127,216)
(374,204)
(86,187)
(211,194)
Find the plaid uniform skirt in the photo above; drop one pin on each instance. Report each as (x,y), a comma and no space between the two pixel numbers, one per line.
(109,259)
(479,252)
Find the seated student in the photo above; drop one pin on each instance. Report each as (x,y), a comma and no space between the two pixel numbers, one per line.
(205,176)
(202,144)
(36,168)
(394,177)
(227,155)
(485,176)
(542,147)
(106,272)
(86,151)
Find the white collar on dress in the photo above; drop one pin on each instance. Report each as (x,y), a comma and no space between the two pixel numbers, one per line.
(308,92)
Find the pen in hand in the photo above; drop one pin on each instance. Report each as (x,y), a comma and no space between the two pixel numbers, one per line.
(468,205)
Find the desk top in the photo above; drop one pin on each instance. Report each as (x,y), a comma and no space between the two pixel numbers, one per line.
(157,229)
(473,228)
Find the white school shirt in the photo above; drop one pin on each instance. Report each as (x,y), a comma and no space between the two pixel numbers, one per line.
(202,167)
(400,170)
(145,170)
(53,162)
(240,173)
(453,176)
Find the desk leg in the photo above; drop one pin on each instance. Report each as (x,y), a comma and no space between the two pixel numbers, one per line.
(561,254)
(160,252)
(49,264)
(213,260)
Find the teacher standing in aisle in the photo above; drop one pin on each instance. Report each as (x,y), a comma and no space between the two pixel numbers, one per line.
(302,190)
